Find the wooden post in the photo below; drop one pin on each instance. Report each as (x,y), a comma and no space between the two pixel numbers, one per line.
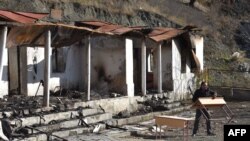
(159,69)
(143,69)
(47,54)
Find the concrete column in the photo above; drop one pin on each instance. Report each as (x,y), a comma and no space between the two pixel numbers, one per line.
(159,69)
(143,69)
(129,67)
(199,50)
(47,54)
(89,67)
(2,48)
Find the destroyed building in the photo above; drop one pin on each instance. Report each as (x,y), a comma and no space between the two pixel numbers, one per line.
(97,59)
(125,60)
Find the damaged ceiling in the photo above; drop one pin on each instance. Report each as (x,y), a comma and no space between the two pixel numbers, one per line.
(33,35)
(66,35)
(27,32)
(30,33)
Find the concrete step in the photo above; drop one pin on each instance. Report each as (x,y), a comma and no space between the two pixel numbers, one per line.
(145,117)
(32,111)
(37,110)
(76,130)
(91,119)
(46,118)
(59,134)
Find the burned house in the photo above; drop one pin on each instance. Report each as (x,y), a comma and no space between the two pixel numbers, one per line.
(96,58)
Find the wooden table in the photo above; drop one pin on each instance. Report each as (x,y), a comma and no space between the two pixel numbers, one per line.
(209,102)
(174,122)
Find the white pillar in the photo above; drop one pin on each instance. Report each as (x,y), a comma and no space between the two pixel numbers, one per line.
(159,69)
(198,42)
(199,50)
(88,67)
(143,69)
(47,54)
(129,67)
(2,48)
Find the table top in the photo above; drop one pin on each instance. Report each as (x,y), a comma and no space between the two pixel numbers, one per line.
(209,101)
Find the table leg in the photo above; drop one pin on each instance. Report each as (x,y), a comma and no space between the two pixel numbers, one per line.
(156,133)
(160,131)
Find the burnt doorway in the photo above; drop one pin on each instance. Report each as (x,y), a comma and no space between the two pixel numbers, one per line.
(17,63)
(137,70)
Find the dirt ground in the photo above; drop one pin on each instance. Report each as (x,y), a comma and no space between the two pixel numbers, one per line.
(144,130)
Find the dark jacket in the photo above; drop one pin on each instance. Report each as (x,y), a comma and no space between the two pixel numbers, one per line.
(199,93)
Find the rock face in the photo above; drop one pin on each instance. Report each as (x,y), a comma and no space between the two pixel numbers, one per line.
(62,11)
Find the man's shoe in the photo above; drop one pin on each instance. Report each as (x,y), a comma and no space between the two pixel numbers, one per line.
(193,135)
(211,134)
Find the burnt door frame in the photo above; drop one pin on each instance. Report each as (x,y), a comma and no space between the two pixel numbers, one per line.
(17,65)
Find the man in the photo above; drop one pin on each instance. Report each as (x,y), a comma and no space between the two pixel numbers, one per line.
(203,91)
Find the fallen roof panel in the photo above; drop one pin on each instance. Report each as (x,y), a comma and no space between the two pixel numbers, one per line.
(108,28)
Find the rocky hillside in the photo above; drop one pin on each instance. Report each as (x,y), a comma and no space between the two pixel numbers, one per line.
(225,25)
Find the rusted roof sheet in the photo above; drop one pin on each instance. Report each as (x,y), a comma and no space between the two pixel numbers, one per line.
(160,33)
(114,29)
(122,30)
(20,17)
(105,27)
(167,35)
(108,28)
(63,35)
(157,34)
(34,15)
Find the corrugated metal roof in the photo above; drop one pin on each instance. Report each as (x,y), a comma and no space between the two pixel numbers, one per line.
(20,17)
(63,34)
